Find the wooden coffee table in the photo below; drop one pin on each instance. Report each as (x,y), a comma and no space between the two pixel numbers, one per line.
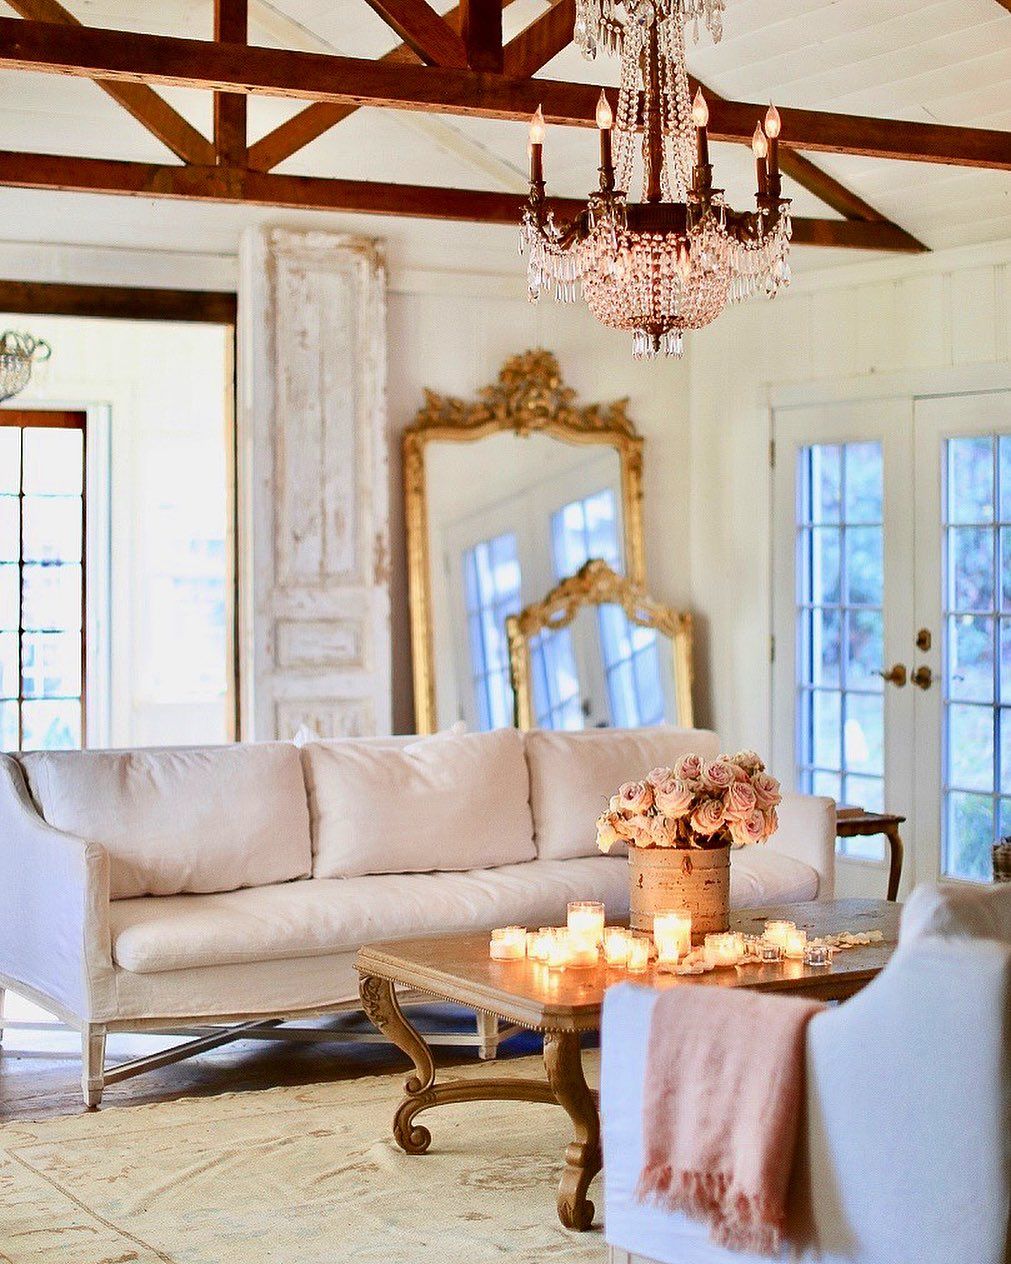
(564,1004)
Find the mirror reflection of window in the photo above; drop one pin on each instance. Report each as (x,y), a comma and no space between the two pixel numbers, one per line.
(491,572)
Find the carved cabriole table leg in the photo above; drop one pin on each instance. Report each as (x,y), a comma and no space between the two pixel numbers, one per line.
(564,1065)
(379,1001)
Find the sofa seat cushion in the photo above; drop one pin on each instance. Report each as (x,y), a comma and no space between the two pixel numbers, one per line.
(334,915)
(572,776)
(327,915)
(185,819)
(444,803)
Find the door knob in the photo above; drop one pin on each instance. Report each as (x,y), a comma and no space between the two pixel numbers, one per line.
(922,678)
(896,675)
(924,639)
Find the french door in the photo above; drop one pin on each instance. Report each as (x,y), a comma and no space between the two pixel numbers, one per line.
(892,619)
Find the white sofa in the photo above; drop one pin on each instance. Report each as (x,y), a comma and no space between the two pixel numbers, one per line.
(184,887)
(905,1154)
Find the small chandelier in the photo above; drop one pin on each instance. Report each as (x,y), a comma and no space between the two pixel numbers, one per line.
(676,259)
(18,352)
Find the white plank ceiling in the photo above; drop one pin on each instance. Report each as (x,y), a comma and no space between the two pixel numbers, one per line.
(946,62)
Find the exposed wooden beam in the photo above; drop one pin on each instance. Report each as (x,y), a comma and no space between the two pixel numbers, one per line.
(44,298)
(481,32)
(231,25)
(423,31)
(219,184)
(543,39)
(105,54)
(146,106)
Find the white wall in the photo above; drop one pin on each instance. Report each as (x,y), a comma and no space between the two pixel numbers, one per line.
(160,391)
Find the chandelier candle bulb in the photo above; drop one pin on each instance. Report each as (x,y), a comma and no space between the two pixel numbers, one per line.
(773,126)
(509,943)
(586,918)
(605,121)
(700,117)
(536,148)
(760,148)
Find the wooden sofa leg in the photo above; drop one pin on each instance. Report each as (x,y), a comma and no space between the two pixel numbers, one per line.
(92,1063)
(487,1032)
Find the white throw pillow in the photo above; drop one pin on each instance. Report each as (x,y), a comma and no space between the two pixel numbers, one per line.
(956,911)
(193,819)
(445,802)
(572,776)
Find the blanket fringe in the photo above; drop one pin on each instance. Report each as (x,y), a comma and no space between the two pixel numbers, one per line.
(736,1220)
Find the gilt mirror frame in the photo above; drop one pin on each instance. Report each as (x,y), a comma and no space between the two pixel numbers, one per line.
(528,398)
(596,584)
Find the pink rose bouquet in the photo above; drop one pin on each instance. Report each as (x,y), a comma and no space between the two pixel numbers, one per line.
(697,803)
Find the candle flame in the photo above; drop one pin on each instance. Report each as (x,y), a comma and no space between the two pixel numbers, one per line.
(700,110)
(605,116)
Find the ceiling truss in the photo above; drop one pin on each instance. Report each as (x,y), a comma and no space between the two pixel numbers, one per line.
(455,64)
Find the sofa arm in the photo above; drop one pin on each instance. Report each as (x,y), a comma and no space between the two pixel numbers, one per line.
(54,907)
(807,832)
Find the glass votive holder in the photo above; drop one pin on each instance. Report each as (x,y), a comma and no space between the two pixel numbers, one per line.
(771,952)
(616,940)
(559,950)
(723,950)
(586,917)
(538,942)
(796,945)
(584,949)
(508,943)
(674,924)
(776,932)
(817,955)
(638,953)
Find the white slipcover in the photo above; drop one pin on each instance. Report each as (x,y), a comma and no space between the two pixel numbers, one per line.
(449,802)
(572,775)
(195,819)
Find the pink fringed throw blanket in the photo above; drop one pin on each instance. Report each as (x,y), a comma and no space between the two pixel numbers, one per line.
(724,1085)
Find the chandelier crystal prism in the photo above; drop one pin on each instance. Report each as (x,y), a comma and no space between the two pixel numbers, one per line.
(676,259)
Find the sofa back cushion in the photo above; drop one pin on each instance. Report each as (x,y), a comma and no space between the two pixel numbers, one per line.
(194,819)
(572,776)
(957,911)
(446,802)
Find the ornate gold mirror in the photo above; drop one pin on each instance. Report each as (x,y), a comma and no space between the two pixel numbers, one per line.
(598,652)
(505,495)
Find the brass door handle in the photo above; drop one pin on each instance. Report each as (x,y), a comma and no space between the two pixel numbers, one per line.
(922,678)
(896,675)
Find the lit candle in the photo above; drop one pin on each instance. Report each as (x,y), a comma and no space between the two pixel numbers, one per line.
(700,117)
(584,950)
(723,950)
(616,946)
(776,932)
(674,924)
(605,121)
(773,126)
(760,148)
(818,955)
(509,943)
(638,953)
(537,943)
(586,917)
(536,147)
(796,945)
(559,951)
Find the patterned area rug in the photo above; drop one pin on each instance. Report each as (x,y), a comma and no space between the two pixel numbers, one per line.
(291,1176)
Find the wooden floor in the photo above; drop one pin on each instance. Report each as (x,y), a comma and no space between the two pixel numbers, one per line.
(40,1071)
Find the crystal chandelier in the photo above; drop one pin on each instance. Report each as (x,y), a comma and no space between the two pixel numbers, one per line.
(676,259)
(18,352)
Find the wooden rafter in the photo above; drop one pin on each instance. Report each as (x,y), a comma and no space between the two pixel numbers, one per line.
(481,32)
(220,184)
(147,107)
(423,31)
(126,56)
(231,24)
(543,39)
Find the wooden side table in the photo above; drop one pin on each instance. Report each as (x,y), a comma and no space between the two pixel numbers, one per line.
(851,824)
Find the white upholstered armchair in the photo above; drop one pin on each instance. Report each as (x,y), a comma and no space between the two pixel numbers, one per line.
(905,1153)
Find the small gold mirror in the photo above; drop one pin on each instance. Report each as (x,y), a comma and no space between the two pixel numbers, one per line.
(504,495)
(598,652)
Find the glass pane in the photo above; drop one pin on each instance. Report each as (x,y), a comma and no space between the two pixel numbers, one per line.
(864,566)
(869,793)
(602,527)
(970,747)
(9,601)
(866,649)
(969,837)
(826,783)
(1005,567)
(51,665)
(9,527)
(824,563)
(648,689)
(52,597)
(1004,476)
(54,461)
(50,725)
(53,526)
(864,733)
(826,709)
(971,566)
(820,657)
(970,480)
(1005,660)
(863,482)
(621,694)
(1005,752)
(8,664)
(8,720)
(826,482)
(10,459)
(970,649)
